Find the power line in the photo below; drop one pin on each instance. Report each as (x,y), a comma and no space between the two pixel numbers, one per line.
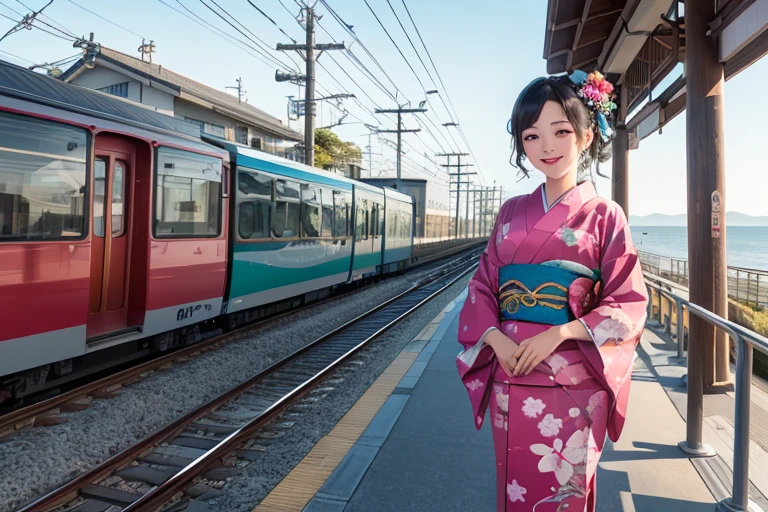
(270,19)
(428,55)
(461,132)
(25,22)
(366,72)
(349,30)
(17,57)
(216,31)
(14,10)
(264,50)
(53,20)
(409,40)
(105,19)
(36,17)
(394,43)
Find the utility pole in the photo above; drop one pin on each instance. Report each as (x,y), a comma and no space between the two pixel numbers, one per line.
(400,131)
(459,174)
(369,147)
(147,49)
(493,199)
(240,91)
(307,52)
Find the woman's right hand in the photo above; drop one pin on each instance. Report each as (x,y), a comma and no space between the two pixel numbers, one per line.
(504,348)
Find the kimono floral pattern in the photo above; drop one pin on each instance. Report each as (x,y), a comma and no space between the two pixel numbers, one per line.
(552,459)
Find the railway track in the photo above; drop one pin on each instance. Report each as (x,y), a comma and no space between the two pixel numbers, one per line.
(190,456)
(48,412)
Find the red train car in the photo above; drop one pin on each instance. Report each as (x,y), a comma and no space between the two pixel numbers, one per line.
(112,228)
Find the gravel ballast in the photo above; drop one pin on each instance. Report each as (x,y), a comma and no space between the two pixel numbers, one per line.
(247,490)
(38,460)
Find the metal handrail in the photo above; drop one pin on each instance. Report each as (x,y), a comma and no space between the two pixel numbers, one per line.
(746,340)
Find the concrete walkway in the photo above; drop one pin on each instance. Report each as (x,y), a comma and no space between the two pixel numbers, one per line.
(430,457)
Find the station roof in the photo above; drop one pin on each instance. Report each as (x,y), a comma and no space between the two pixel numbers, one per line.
(577,32)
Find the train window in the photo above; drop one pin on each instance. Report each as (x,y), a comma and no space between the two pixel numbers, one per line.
(255,210)
(287,209)
(382,223)
(118,196)
(340,209)
(361,221)
(327,212)
(311,210)
(99,189)
(391,220)
(42,179)
(407,220)
(188,195)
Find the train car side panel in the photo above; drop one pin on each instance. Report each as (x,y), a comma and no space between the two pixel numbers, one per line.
(44,251)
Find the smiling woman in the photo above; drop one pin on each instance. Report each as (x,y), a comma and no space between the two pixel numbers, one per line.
(555,309)
(552,106)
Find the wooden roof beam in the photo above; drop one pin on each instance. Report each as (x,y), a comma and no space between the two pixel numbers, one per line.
(594,17)
(577,37)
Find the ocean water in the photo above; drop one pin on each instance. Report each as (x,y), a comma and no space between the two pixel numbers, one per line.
(745,246)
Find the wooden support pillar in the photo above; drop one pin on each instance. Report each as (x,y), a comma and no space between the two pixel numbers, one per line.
(706,198)
(620,157)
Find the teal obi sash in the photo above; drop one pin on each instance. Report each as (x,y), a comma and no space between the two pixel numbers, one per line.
(539,293)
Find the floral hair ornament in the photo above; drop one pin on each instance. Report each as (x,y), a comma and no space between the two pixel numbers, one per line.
(597,94)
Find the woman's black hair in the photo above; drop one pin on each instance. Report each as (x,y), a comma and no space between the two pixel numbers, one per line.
(528,108)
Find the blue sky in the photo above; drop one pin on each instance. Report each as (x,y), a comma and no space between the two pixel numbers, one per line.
(485,53)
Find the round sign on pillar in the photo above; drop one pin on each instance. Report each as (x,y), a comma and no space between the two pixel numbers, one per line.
(716,219)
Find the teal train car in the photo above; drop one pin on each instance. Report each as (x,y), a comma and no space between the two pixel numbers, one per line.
(296,230)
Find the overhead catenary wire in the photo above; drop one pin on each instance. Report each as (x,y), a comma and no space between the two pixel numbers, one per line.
(271,20)
(32,25)
(411,42)
(352,33)
(48,17)
(440,79)
(217,31)
(394,43)
(16,56)
(107,20)
(38,20)
(265,51)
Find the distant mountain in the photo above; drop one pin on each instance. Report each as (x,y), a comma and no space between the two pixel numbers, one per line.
(660,219)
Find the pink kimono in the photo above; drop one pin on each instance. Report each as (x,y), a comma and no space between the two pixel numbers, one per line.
(549,426)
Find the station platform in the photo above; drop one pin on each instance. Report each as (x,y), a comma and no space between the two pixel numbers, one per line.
(409,444)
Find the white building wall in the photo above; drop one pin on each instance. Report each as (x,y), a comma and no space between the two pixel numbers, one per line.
(160,100)
(99,77)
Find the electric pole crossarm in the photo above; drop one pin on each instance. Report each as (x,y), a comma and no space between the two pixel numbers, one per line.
(400,131)
(399,110)
(281,47)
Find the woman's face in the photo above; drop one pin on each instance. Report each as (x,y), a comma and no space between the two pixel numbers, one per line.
(551,145)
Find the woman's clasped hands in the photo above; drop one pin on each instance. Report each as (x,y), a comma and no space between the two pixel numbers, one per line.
(519,360)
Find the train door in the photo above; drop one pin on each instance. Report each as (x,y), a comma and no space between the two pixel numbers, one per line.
(114,167)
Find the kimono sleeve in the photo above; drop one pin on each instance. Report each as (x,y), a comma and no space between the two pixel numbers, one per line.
(620,314)
(480,312)
(617,322)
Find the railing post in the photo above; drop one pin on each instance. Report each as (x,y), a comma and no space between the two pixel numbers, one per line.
(649,307)
(739,501)
(680,331)
(693,444)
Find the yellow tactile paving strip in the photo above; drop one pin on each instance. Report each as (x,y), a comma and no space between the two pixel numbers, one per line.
(306,479)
